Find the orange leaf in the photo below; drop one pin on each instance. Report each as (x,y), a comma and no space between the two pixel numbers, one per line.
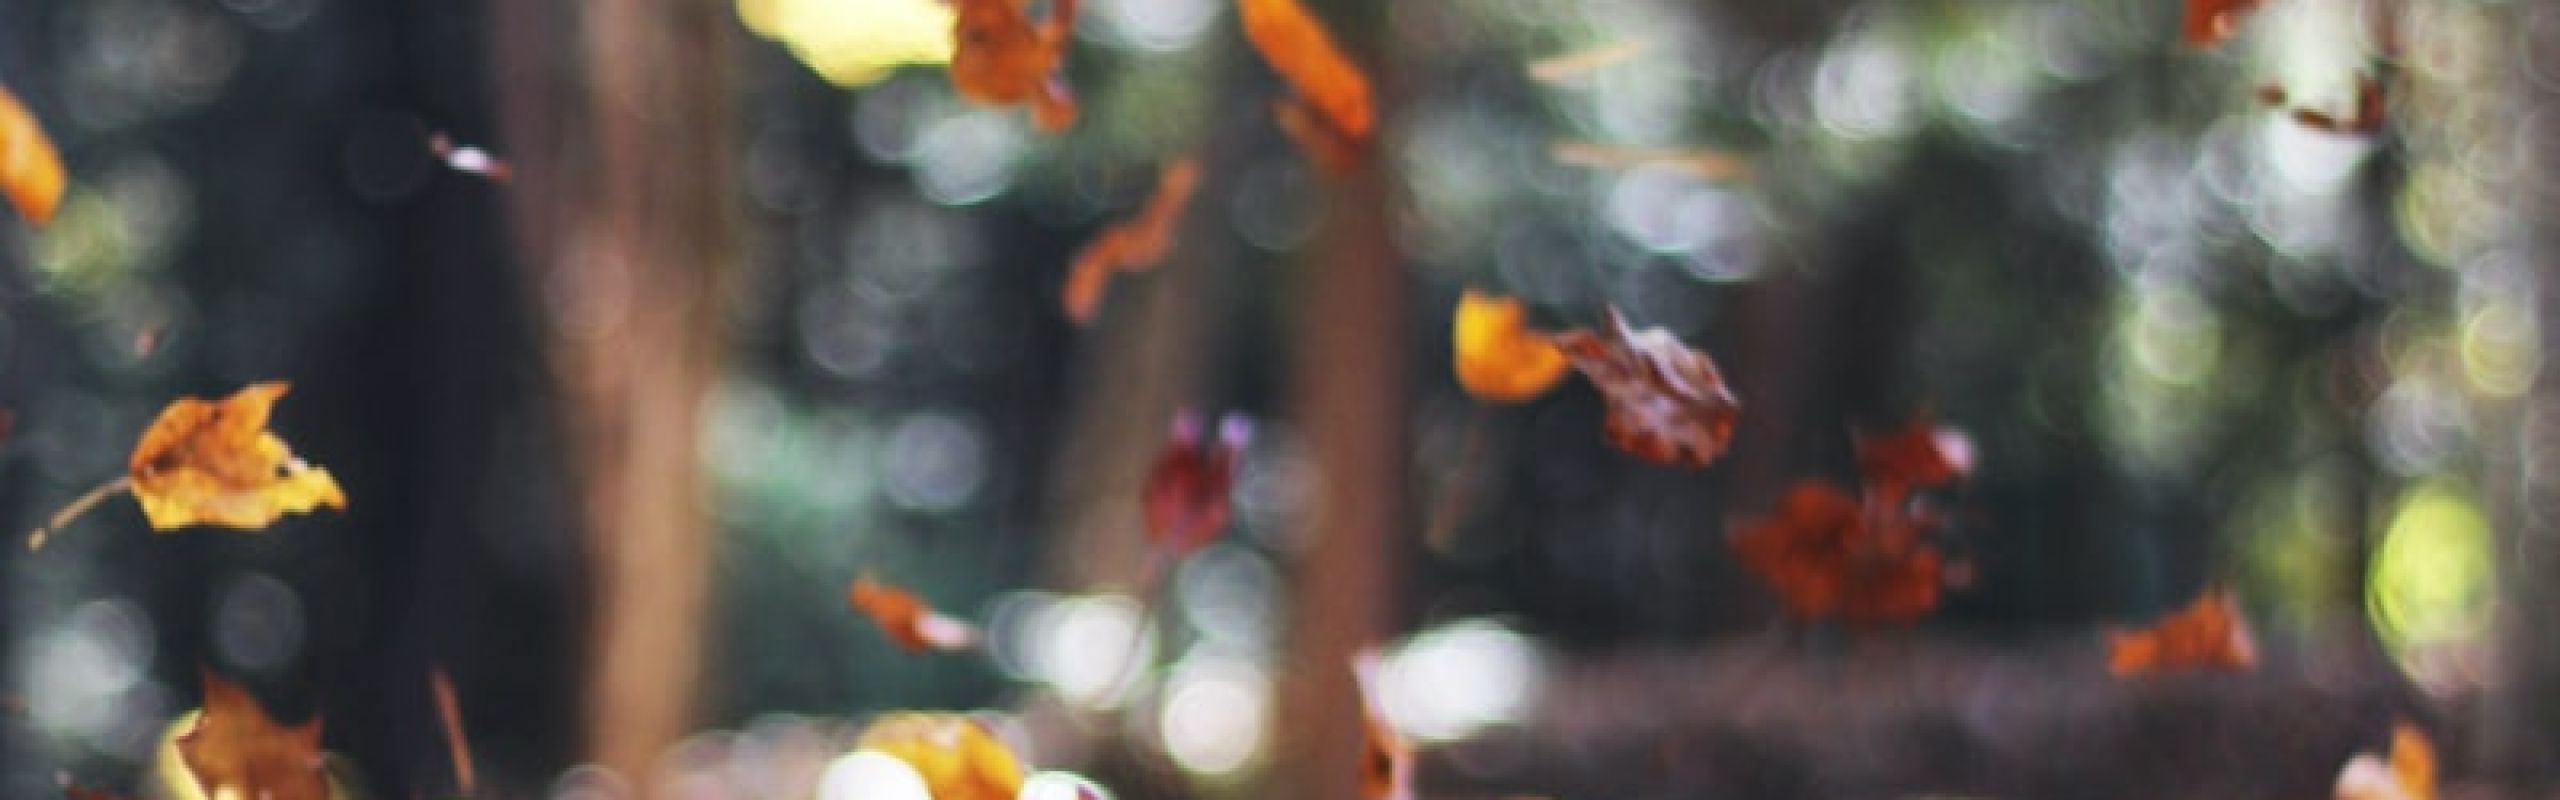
(30,169)
(1827,557)
(1919,456)
(2410,775)
(1134,245)
(2211,21)
(907,620)
(2207,633)
(214,463)
(1499,360)
(232,745)
(999,57)
(1187,492)
(1667,403)
(1297,47)
(956,755)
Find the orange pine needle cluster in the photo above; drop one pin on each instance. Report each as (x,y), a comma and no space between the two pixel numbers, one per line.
(1000,57)
(1332,116)
(1867,560)
(2208,633)
(1134,245)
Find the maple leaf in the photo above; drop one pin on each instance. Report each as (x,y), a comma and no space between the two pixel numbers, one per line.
(2409,775)
(1827,555)
(1134,245)
(212,463)
(2207,633)
(955,754)
(2208,22)
(915,626)
(1921,455)
(30,169)
(1000,57)
(1187,493)
(1499,360)
(230,746)
(1667,403)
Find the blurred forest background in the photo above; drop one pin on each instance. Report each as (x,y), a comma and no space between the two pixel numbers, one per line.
(766,306)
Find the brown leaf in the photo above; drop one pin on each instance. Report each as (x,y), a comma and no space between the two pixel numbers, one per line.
(999,57)
(234,746)
(1134,245)
(30,169)
(907,620)
(2208,633)
(1667,403)
(1828,556)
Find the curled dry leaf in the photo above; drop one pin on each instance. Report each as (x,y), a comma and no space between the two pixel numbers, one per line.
(1333,116)
(1499,359)
(907,620)
(230,747)
(214,463)
(1187,493)
(1000,57)
(1134,245)
(30,169)
(955,754)
(1827,556)
(1667,403)
(2209,22)
(2208,633)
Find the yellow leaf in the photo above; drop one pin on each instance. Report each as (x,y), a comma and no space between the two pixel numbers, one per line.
(30,169)
(214,463)
(955,754)
(1499,359)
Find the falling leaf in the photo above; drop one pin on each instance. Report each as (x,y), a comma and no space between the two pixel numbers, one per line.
(1187,491)
(1334,152)
(956,755)
(1499,360)
(30,169)
(1667,403)
(1134,245)
(231,745)
(2410,774)
(1566,66)
(907,620)
(1386,756)
(469,160)
(1000,57)
(1921,455)
(2207,633)
(2211,21)
(1297,47)
(449,712)
(1829,556)
(212,463)
(1702,163)
(2368,117)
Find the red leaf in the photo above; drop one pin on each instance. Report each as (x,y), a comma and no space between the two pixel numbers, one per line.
(2211,21)
(1826,558)
(1000,57)
(1186,495)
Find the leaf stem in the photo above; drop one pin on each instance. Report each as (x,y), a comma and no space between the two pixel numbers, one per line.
(77,507)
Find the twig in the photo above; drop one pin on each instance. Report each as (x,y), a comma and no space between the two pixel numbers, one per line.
(77,507)
(450,712)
